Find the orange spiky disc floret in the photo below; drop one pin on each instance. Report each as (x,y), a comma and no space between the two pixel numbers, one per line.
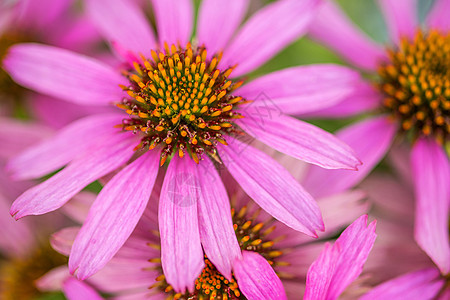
(416,84)
(179,99)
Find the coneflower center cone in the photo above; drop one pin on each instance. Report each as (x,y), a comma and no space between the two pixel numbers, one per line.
(416,85)
(178,99)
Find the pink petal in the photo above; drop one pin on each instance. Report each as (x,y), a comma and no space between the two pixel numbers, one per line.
(54,153)
(370,139)
(339,265)
(219,16)
(267,32)
(77,290)
(334,29)
(298,139)
(420,285)
(304,89)
(63,74)
(54,192)
(52,281)
(123,22)
(10,230)
(181,250)
(256,278)
(40,15)
(216,227)
(267,183)
(62,241)
(431,173)
(114,215)
(78,207)
(362,99)
(174,20)
(438,17)
(401,18)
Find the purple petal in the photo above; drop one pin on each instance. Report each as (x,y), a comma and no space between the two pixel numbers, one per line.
(298,139)
(267,183)
(114,215)
(63,74)
(304,89)
(334,29)
(219,16)
(362,99)
(370,139)
(431,173)
(77,290)
(181,250)
(339,265)
(88,167)
(215,223)
(123,22)
(438,17)
(420,285)
(174,20)
(54,153)
(256,278)
(267,32)
(401,18)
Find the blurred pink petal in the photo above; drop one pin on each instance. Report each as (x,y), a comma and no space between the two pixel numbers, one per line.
(53,280)
(62,240)
(78,290)
(431,172)
(438,17)
(174,20)
(401,18)
(267,32)
(256,278)
(78,207)
(333,28)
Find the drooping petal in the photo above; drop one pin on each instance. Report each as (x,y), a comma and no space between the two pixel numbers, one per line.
(304,89)
(268,31)
(78,290)
(298,139)
(256,278)
(419,285)
(362,99)
(339,265)
(431,173)
(63,74)
(216,227)
(334,29)
(401,18)
(370,139)
(114,215)
(219,16)
(181,251)
(88,167)
(272,187)
(174,20)
(57,151)
(438,17)
(122,22)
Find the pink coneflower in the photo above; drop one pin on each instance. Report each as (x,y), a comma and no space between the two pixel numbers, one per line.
(397,262)
(271,251)
(411,100)
(180,105)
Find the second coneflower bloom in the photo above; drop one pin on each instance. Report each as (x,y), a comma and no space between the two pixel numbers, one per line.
(179,105)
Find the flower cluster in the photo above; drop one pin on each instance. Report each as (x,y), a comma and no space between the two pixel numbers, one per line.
(174,149)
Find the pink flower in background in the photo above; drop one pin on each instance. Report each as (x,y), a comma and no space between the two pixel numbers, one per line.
(270,251)
(398,267)
(182,102)
(411,99)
